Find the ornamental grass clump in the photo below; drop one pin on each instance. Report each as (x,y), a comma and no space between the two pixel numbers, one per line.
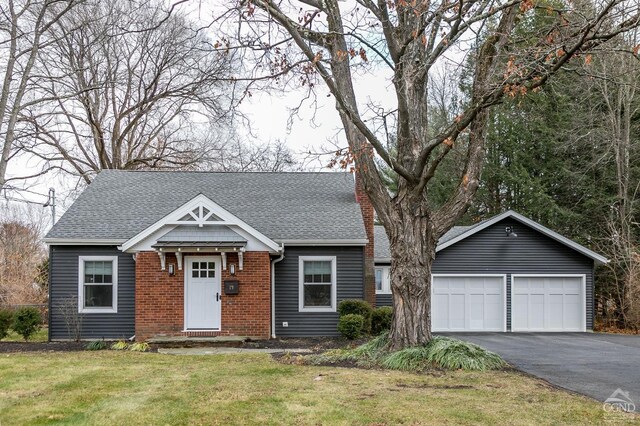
(440,352)
(454,354)
(120,345)
(96,345)
(409,359)
(139,347)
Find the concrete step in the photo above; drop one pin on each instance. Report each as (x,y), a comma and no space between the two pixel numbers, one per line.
(189,341)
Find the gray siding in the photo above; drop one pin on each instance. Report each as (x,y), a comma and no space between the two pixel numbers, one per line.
(490,251)
(64,283)
(384,300)
(349,269)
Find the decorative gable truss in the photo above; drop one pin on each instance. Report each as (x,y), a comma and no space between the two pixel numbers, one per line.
(200,211)
(200,216)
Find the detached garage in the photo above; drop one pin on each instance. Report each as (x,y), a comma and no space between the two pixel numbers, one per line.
(507,273)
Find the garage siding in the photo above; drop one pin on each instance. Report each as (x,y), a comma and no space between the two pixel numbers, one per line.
(63,284)
(490,251)
(350,278)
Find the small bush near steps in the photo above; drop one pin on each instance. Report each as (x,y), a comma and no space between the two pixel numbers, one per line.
(26,321)
(441,352)
(357,307)
(351,326)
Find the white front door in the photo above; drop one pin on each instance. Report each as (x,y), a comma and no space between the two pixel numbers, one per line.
(468,303)
(202,306)
(548,303)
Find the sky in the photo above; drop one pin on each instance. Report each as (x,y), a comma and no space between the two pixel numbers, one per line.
(316,125)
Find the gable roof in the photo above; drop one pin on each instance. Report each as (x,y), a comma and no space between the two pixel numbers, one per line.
(382,253)
(286,207)
(459,233)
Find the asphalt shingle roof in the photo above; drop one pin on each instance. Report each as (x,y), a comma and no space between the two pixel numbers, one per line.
(381,247)
(283,206)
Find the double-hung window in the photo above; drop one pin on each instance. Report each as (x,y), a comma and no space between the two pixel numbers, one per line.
(98,284)
(383,280)
(317,283)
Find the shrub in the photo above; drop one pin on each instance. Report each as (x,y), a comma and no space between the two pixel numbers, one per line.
(6,318)
(381,320)
(119,346)
(351,326)
(26,321)
(96,345)
(357,307)
(139,347)
(455,354)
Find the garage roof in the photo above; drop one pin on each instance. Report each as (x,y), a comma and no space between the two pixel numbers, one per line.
(459,233)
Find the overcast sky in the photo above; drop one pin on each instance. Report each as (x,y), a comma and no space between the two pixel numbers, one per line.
(317,125)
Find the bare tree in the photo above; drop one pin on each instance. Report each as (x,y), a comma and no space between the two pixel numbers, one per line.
(511,55)
(613,79)
(68,308)
(127,83)
(24,27)
(236,155)
(21,254)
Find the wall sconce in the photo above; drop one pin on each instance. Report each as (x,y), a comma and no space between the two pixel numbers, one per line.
(510,232)
(232,269)
(172,269)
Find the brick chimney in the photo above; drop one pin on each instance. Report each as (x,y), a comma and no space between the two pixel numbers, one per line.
(368,216)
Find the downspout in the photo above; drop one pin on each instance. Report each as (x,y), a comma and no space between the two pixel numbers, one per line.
(273,292)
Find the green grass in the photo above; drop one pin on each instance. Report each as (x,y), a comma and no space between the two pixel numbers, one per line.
(111,387)
(39,336)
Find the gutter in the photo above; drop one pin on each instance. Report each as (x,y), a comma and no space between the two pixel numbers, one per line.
(273,292)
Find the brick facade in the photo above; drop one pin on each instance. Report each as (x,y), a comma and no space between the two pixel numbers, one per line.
(368,215)
(159,297)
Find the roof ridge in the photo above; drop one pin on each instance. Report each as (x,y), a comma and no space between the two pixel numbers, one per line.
(226,172)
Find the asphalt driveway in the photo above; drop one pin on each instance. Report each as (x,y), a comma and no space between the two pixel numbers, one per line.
(592,364)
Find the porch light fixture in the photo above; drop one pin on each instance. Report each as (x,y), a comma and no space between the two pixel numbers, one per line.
(510,232)
(232,269)
(172,269)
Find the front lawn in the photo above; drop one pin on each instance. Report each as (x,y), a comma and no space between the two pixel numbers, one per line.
(110,387)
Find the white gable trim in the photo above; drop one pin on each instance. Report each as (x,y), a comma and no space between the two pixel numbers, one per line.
(200,200)
(530,223)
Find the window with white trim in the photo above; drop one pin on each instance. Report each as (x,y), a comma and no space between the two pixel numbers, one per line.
(317,283)
(383,280)
(98,284)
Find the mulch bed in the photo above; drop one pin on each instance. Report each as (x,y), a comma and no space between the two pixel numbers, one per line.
(14,347)
(315,344)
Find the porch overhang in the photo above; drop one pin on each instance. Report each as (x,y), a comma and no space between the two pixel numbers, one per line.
(211,239)
(209,247)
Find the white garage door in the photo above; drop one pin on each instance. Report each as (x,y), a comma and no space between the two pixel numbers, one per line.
(468,303)
(548,303)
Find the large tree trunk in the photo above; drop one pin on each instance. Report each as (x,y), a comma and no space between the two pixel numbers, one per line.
(413,250)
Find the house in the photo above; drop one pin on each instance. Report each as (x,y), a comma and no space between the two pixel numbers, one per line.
(507,273)
(150,253)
